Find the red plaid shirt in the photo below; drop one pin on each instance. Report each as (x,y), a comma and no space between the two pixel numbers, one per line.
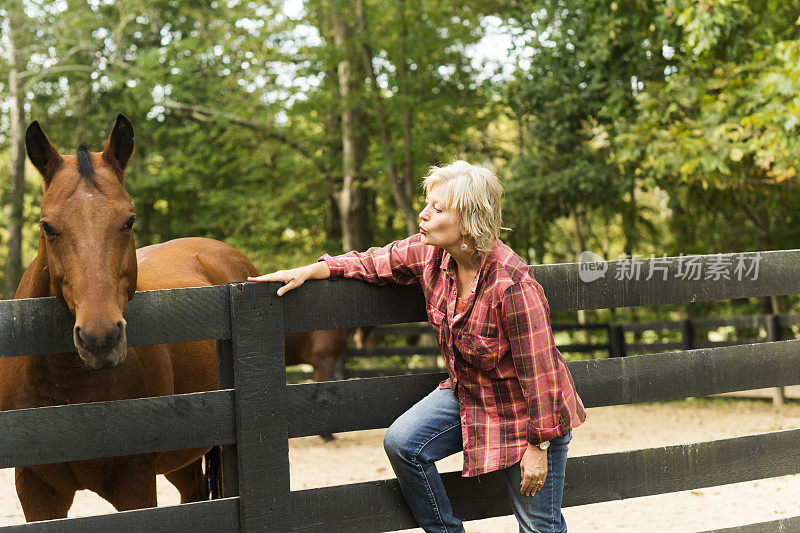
(512,383)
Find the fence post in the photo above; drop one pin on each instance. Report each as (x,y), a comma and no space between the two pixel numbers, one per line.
(224,475)
(774,334)
(687,334)
(616,340)
(259,367)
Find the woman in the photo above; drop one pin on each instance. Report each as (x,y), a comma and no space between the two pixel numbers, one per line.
(509,400)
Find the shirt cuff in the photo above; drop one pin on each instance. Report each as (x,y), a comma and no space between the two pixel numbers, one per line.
(538,435)
(335,266)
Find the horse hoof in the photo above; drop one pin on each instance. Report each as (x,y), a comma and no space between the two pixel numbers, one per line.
(328,438)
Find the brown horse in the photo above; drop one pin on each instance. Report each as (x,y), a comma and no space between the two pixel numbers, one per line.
(87,259)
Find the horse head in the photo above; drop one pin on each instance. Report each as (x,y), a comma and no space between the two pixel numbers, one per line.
(86,239)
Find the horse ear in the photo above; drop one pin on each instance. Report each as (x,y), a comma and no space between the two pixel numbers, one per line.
(119,146)
(41,152)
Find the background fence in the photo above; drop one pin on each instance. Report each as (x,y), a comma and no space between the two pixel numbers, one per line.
(255,412)
(686,334)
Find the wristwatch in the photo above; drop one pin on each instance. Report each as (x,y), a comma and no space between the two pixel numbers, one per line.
(544,445)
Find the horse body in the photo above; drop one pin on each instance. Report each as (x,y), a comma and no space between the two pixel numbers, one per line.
(320,349)
(87,259)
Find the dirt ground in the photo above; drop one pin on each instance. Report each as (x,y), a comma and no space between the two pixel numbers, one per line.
(359,456)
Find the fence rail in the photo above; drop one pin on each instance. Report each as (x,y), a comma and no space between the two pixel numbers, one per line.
(256,413)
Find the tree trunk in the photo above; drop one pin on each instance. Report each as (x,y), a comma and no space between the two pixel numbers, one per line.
(353,199)
(333,147)
(678,215)
(402,198)
(760,219)
(16,187)
(405,96)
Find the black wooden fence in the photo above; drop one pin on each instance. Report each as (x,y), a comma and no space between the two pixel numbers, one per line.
(693,332)
(256,413)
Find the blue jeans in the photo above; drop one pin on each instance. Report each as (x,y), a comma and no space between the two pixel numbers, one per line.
(431,430)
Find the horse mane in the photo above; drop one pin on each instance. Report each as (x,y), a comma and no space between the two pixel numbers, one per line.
(85,167)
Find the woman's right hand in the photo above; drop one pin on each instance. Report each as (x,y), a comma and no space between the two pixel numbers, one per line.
(294,277)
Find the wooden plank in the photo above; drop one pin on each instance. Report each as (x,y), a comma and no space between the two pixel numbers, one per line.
(318,304)
(335,406)
(318,408)
(108,429)
(778,273)
(208,516)
(259,366)
(378,505)
(651,471)
(783,525)
(43,325)
(668,376)
(355,508)
(177,315)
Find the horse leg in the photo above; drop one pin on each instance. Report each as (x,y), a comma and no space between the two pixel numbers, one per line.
(133,485)
(190,482)
(39,499)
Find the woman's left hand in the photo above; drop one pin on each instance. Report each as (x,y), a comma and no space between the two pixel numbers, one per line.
(534,470)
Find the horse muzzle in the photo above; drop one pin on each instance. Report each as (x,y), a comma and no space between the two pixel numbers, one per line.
(100,349)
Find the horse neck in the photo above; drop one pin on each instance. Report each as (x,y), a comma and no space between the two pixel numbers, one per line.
(35,283)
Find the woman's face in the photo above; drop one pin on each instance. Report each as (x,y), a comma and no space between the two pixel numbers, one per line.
(438,226)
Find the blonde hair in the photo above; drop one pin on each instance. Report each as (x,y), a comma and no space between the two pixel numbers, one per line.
(473,193)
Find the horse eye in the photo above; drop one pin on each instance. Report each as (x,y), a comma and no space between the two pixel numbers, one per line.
(47,229)
(129,224)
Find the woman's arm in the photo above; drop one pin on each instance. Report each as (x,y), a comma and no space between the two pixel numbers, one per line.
(295,277)
(527,325)
(400,262)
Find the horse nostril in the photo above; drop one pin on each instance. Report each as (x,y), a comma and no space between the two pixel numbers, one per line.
(119,331)
(86,340)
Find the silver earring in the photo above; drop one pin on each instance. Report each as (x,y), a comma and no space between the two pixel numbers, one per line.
(463,245)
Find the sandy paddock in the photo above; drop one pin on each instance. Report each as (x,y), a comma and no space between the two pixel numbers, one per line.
(359,456)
